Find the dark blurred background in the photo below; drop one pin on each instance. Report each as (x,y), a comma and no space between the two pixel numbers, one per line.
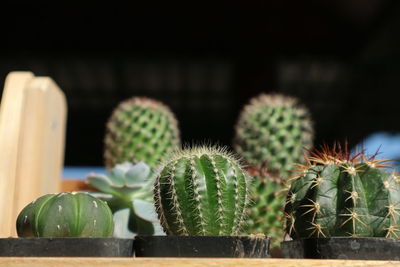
(340,57)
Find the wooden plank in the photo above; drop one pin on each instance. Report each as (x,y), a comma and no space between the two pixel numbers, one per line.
(75,185)
(120,262)
(10,121)
(41,142)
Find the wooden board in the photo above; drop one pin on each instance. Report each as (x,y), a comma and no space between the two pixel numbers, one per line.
(41,149)
(76,185)
(11,110)
(32,132)
(120,262)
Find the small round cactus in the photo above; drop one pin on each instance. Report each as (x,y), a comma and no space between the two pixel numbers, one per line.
(65,215)
(201,191)
(140,129)
(338,194)
(272,132)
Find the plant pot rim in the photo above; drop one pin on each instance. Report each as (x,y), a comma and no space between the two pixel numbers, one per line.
(202,246)
(355,248)
(66,247)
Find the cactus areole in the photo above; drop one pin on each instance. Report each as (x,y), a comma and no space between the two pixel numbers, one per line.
(65,215)
(338,194)
(201,192)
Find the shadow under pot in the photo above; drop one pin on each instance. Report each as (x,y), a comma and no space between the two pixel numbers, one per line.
(66,247)
(202,246)
(363,248)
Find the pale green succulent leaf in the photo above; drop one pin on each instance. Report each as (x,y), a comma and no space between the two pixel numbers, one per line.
(145,210)
(137,174)
(100,182)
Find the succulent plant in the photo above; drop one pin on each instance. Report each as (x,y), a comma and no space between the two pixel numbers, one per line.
(265,214)
(343,194)
(201,191)
(272,132)
(128,191)
(140,129)
(65,215)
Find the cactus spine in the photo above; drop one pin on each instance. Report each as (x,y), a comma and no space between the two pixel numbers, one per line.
(65,215)
(272,132)
(337,194)
(201,191)
(140,129)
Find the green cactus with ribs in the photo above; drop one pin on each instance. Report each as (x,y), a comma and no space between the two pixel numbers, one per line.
(140,129)
(65,215)
(339,194)
(201,191)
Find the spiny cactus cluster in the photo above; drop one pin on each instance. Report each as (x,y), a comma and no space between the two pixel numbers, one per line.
(265,214)
(128,187)
(201,191)
(272,132)
(140,129)
(65,215)
(338,194)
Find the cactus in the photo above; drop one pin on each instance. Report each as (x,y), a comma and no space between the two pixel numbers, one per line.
(129,187)
(201,191)
(265,214)
(65,215)
(272,132)
(140,129)
(339,194)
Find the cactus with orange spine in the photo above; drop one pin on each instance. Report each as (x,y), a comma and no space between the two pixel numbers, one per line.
(339,194)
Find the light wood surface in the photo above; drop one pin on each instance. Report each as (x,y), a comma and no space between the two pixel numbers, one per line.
(117,262)
(11,110)
(41,149)
(32,133)
(75,185)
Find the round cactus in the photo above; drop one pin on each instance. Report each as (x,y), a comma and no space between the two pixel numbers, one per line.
(201,191)
(272,132)
(338,194)
(65,215)
(140,129)
(265,214)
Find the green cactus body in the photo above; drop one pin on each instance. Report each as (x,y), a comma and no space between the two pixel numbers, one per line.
(265,214)
(201,191)
(65,215)
(272,132)
(339,195)
(140,129)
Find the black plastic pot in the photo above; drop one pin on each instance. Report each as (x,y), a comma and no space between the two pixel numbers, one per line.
(202,246)
(365,248)
(66,247)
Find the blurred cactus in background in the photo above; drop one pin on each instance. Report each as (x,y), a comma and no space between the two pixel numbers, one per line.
(271,135)
(272,132)
(140,129)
